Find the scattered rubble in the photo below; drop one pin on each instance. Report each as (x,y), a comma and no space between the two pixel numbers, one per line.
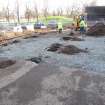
(96,30)
(15,41)
(36,59)
(30,37)
(10,42)
(72,38)
(73,33)
(69,49)
(4,63)
(54,47)
(4,44)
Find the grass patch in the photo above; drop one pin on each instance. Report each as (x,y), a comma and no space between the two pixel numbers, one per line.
(63,19)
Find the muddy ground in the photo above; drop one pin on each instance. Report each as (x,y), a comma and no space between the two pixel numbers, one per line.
(60,79)
(29,48)
(49,84)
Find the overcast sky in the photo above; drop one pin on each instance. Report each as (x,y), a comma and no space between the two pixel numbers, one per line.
(52,4)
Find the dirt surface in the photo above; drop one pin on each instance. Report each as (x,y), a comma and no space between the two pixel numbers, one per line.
(52,85)
(97,30)
(58,84)
(69,49)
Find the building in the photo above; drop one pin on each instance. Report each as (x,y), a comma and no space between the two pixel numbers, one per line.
(96,13)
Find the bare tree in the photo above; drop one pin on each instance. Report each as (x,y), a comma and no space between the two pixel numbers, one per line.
(2,13)
(53,13)
(45,9)
(68,11)
(17,11)
(28,13)
(75,10)
(6,13)
(12,15)
(59,11)
(45,12)
(36,12)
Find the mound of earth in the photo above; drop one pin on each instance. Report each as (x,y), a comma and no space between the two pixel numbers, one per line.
(4,63)
(69,49)
(72,38)
(54,47)
(96,30)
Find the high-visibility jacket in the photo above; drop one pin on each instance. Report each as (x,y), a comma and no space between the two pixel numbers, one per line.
(60,26)
(82,24)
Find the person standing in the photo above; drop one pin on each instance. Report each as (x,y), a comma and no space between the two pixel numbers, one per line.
(83,26)
(60,27)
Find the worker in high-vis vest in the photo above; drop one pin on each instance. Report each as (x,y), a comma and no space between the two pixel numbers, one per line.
(60,27)
(83,26)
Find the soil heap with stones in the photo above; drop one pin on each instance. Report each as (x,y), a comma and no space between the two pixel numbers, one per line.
(97,30)
(69,49)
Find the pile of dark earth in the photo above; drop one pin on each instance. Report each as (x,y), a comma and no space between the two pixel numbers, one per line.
(4,63)
(69,49)
(96,30)
(65,38)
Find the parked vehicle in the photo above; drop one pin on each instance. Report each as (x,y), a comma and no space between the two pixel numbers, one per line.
(39,25)
(30,27)
(52,24)
(18,29)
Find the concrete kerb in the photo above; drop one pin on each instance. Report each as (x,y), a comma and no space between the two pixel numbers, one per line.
(19,73)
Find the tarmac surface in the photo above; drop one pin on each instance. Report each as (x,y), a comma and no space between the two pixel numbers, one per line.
(48,84)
